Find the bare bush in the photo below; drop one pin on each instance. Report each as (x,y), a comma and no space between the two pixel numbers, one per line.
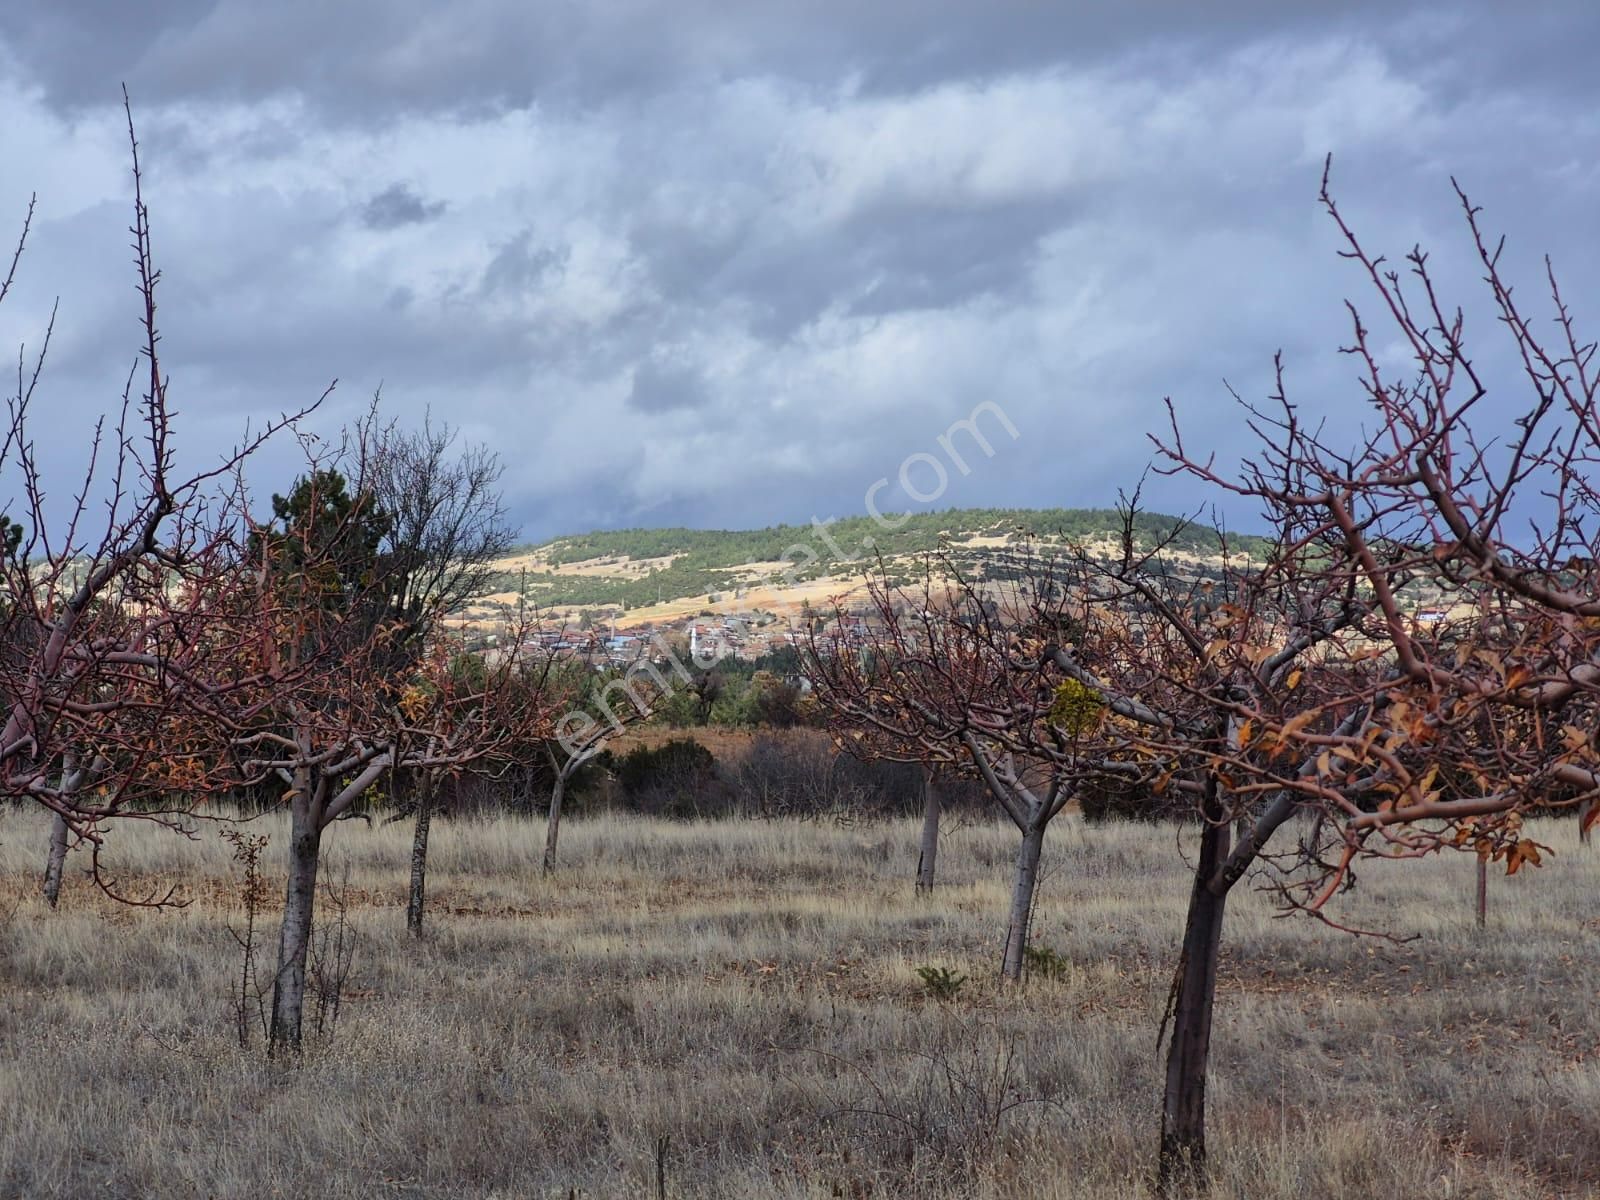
(950,1118)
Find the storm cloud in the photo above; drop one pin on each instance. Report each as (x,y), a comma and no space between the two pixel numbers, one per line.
(728,264)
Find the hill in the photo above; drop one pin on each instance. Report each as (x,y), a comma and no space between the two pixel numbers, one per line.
(653,574)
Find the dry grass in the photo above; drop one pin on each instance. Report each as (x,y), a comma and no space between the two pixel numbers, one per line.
(749,991)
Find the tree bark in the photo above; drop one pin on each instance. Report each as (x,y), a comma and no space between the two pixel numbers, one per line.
(553,826)
(1481,904)
(294,939)
(56,863)
(56,860)
(928,858)
(419,858)
(1022,901)
(1181,1166)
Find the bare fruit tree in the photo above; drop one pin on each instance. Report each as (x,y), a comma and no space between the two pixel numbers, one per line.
(1477,541)
(589,714)
(106,644)
(928,675)
(353,694)
(1133,671)
(1129,670)
(1188,663)
(1424,614)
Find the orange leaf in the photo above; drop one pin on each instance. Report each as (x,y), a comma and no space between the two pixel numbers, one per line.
(1296,723)
(1428,777)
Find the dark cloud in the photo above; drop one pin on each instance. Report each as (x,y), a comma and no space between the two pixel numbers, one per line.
(369,59)
(398,205)
(889,258)
(717,264)
(665,387)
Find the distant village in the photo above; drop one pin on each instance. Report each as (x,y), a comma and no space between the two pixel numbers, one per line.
(701,639)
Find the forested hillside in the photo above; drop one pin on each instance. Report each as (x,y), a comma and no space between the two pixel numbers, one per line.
(667,564)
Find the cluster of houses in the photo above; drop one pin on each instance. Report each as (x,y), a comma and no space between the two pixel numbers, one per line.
(705,637)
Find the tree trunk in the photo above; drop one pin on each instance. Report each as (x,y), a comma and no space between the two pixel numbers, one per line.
(1584,828)
(1181,1167)
(1481,906)
(929,857)
(553,827)
(1022,901)
(419,858)
(56,863)
(294,939)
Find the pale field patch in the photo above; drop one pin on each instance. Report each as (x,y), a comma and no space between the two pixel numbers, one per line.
(749,990)
(621,566)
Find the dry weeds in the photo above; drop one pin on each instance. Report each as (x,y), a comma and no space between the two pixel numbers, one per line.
(750,991)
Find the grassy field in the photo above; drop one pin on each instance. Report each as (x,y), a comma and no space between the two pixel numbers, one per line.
(743,1000)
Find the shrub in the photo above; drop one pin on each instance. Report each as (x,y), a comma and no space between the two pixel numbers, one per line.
(676,779)
(1044,961)
(942,983)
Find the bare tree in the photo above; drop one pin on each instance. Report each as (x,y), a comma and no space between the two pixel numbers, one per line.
(445,525)
(521,694)
(588,718)
(928,846)
(105,643)
(446,518)
(928,676)
(352,693)
(1187,667)
(1500,684)
(1451,683)
(1129,670)
(335,747)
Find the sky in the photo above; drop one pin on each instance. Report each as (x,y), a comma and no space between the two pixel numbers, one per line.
(727,264)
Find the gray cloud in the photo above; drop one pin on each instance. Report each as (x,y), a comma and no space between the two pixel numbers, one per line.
(371,58)
(398,205)
(665,387)
(721,264)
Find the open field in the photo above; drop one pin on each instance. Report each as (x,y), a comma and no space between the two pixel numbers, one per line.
(773,596)
(748,990)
